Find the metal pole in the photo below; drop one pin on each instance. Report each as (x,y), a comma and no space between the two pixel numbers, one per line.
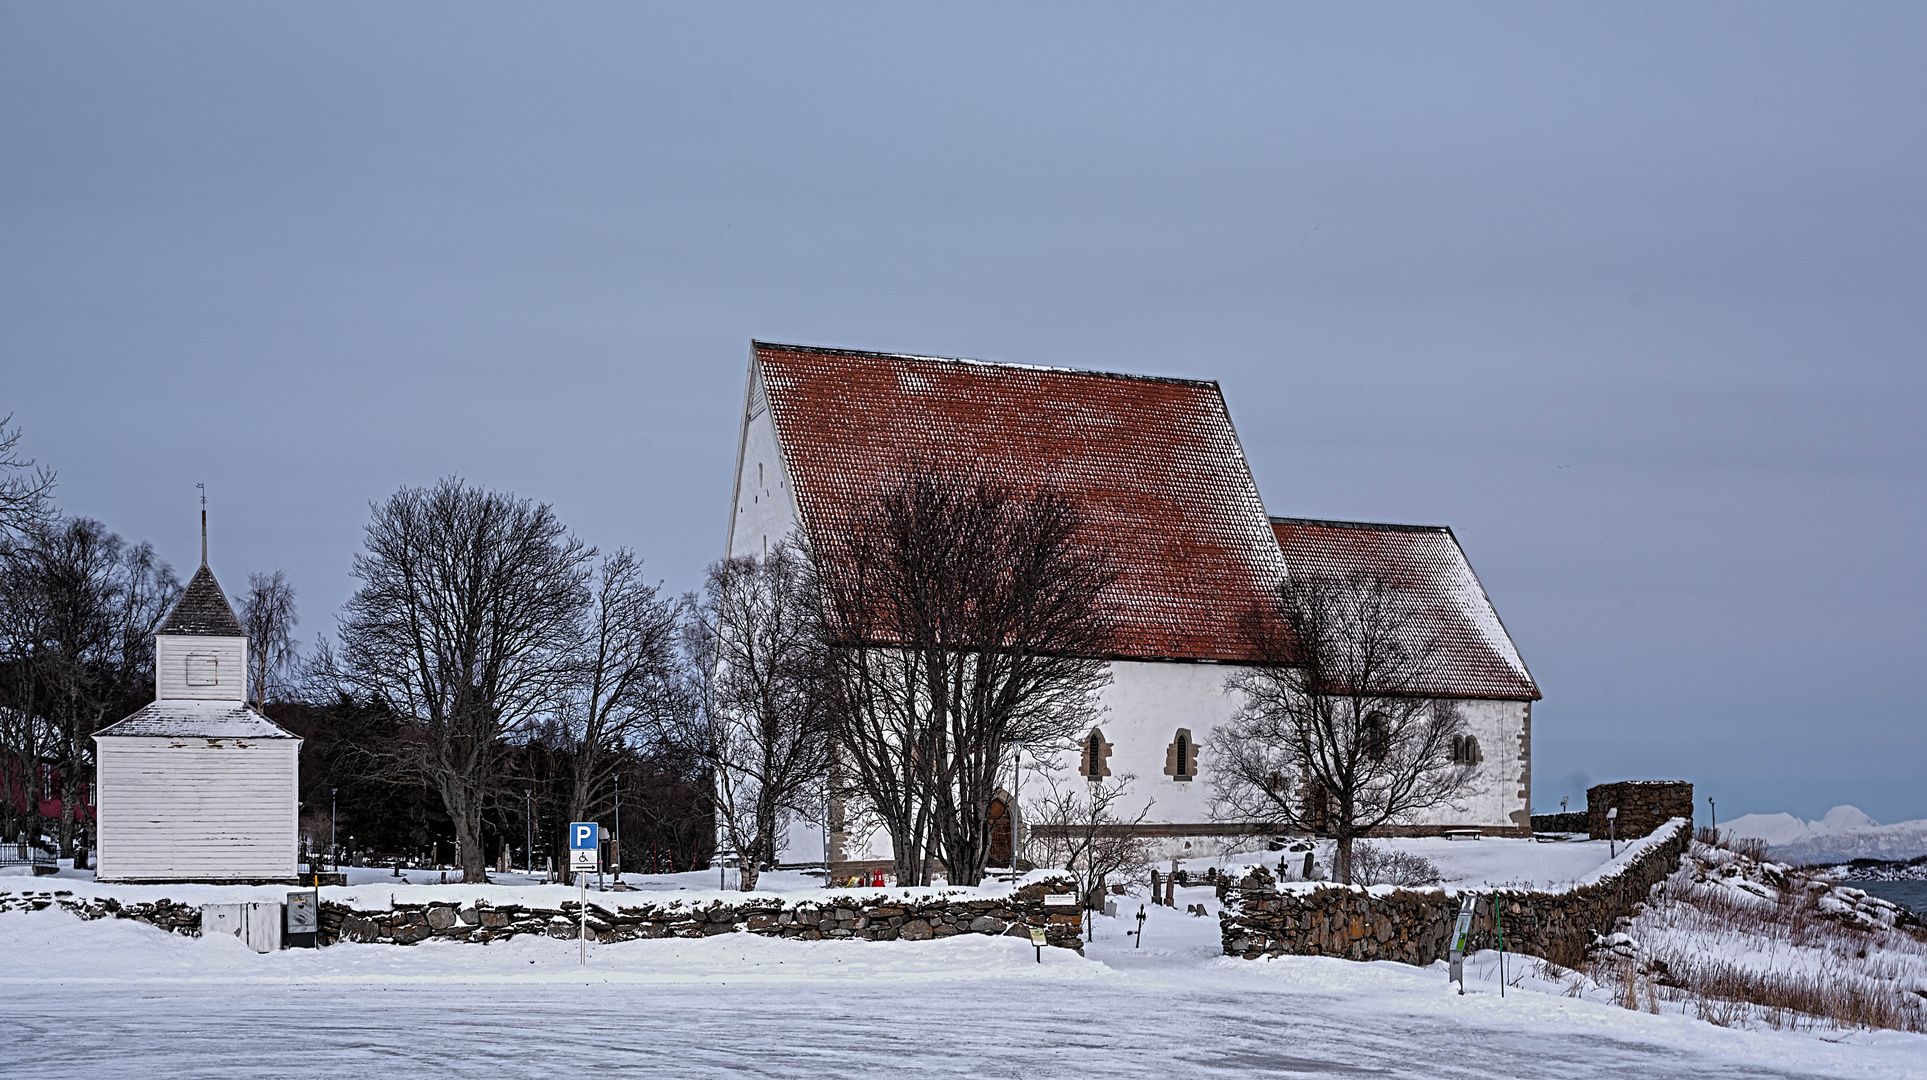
(1716,818)
(528,830)
(334,848)
(1499,920)
(582,910)
(1016,789)
(616,855)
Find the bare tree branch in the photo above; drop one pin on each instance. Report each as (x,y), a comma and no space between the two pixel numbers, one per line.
(467,616)
(760,721)
(1336,734)
(26,489)
(268,616)
(963,618)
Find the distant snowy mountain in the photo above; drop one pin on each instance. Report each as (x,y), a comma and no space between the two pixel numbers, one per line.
(1844,834)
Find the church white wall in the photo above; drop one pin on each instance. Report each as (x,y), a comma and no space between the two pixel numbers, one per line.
(765,510)
(197,809)
(1144,706)
(1147,703)
(204,668)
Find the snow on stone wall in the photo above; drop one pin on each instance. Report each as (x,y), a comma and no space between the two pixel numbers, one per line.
(1413,926)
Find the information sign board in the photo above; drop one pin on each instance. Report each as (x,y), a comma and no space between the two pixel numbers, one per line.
(585,842)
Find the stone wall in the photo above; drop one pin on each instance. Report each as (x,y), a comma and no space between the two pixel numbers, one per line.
(1413,926)
(835,917)
(174,918)
(1644,805)
(1577,821)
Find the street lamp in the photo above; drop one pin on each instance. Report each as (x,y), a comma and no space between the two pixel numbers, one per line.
(616,855)
(528,830)
(1612,833)
(334,849)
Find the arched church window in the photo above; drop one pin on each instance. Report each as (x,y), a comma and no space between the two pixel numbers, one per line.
(1181,757)
(1094,762)
(1465,750)
(1378,736)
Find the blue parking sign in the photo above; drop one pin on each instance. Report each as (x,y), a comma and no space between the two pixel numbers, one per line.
(585,845)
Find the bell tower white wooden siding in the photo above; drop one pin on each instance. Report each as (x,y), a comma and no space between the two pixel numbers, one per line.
(198,786)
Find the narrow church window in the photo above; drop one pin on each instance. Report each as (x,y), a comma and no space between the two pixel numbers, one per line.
(1181,756)
(1092,764)
(1378,736)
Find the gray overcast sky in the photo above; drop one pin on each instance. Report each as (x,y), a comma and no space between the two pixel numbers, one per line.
(1633,296)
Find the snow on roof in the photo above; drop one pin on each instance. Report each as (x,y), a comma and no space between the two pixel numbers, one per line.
(202,609)
(181,718)
(1479,660)
(1153,463)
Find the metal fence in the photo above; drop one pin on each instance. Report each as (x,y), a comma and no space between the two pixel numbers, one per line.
(21,853)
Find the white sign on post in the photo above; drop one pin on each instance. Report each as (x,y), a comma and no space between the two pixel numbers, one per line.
(585,842)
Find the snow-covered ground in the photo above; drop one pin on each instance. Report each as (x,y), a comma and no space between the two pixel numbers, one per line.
(114,998)
(1842,835)
(1494,862)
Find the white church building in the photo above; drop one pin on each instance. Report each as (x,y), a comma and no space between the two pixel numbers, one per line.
(198,785)
(1156,467)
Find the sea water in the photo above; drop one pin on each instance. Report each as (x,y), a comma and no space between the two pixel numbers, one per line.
(1911,895)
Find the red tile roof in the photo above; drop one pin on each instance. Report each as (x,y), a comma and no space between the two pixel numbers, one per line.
(1153,463)
(1479,658)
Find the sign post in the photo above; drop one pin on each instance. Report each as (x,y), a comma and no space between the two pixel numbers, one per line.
(1461,931)
(585,842)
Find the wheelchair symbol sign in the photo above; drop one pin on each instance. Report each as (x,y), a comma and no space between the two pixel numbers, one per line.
(585,841)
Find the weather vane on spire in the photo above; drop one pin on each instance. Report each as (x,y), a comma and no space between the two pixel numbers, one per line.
(203,488)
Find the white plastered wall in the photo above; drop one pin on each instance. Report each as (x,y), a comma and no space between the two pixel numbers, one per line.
(765,509)
(1147,703)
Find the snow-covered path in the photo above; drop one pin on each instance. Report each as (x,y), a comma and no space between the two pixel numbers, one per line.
(112,999)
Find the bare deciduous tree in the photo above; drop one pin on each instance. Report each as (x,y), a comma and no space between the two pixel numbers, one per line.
(760,716)
(81,608)
(467,615)
(963,617)
(1336,733)
(268,617)
(26,489)
(1080,827)
(620,678)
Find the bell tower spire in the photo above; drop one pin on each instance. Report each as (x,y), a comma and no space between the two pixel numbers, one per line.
(203,488)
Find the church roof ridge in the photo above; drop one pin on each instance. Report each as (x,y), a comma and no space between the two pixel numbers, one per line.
(829,350)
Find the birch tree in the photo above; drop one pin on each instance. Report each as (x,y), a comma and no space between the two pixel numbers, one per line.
(268,616)
(759,715)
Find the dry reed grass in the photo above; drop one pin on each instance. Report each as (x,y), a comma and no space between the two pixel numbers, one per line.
(1742,943)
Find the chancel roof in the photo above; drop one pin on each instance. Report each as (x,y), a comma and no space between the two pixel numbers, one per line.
(196,719)
(202,609)
(1153,463)
(1477,657)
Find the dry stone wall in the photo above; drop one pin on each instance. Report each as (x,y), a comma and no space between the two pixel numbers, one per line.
(1576,821)
(835,917)
(1644,805)
(174,918)
(1414,927)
